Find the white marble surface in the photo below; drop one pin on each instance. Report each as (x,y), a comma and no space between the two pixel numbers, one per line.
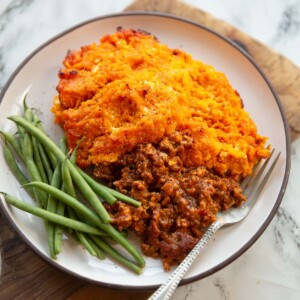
(270,269)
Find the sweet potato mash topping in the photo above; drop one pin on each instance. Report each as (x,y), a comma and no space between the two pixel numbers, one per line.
(130,89)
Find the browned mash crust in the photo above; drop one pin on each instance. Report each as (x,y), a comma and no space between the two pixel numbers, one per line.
(129,96)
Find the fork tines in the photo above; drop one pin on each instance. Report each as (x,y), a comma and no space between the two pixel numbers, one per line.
(249,185)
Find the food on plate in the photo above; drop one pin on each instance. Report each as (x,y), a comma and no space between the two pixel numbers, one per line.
(162,127)
(50,177)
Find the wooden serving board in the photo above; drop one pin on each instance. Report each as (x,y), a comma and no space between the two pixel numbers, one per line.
(25,276)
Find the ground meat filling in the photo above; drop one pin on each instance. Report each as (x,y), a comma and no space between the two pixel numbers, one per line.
(178,203)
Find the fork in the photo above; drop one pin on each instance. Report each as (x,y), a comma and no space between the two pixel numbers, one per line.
(234,215)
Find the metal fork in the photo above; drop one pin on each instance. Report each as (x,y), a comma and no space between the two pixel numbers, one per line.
(251,190)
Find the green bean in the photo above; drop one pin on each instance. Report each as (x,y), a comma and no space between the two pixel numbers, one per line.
(21,133)
(67,179)
(63,146)
(45,161)
(120,239)
(92,217)
(49,155)
(80,182)
(14,167)
(80,236)
(98,251)
(58,233)
(73,155)
(10,160)
(97,187)
(32,169)
(29,116)
(83,186)
(58,230)
(38,160)
(74,152)
(55,182)
(108,194)
(52,207)
(71,191)
(42,213)
(25,106)
(105,247)
(122,197)
(61,206)
(68,200)
(86,244)
(50,229)
(14,142)
(89,193)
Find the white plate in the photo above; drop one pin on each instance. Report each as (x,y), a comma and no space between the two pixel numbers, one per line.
(38,76)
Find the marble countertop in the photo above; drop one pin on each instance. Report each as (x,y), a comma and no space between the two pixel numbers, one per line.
(270,269)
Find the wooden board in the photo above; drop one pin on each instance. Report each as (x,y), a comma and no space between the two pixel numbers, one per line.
(25,276)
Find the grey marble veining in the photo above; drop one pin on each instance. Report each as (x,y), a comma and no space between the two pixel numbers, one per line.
(26,24)
(275,23)
(270,269)
(9,39)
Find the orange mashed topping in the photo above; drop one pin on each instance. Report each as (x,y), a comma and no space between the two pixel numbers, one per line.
(130,89)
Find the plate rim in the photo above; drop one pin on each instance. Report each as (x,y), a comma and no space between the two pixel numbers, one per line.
(232,43)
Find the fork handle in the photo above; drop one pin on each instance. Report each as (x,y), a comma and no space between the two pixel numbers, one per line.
(166,290)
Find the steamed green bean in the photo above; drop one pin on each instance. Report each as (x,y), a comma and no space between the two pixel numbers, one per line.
(43,213)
